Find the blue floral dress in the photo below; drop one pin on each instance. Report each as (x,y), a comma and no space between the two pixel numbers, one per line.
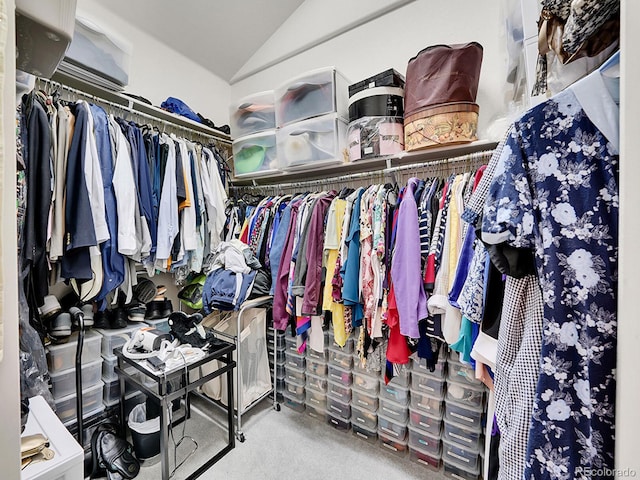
(555,190)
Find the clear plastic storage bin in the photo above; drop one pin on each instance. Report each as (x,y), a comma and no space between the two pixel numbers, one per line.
(338,407)
(348,346)
(459,435)
(314,142)
(316,399)
(391,409)
(366,382)
(460,472)
(64,383)
(112,339)
(294,360)
(291,344)
(391,428)
(252,114)
(368,435)
(427,404)
(423,457)
(294,389)
(423,440)
(161,324)
(466,394)
(454,453)
(293,374)
(364,400)
(364,417)
(425,422)
(392,444)
(255,155)
(317,367)
(420,365)
(337,374)
(463,415)
(316,383)
(394,392)
(91,401)
(460,373)
(315,412)
(401,379)
(427,384)
(96,50)
(338,422)
(63,357)
(317,356)
(312,94)
(338,390)
(341,359)
(293,403)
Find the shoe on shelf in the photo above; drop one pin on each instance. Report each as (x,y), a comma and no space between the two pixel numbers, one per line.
(118,318)
(87,310)
(101,319)
(60,325)
(50,307)
(135,313)
(157,309)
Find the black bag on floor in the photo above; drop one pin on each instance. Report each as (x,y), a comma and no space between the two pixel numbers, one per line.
(112,455)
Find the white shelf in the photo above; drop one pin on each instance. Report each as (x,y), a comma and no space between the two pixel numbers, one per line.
(370,164)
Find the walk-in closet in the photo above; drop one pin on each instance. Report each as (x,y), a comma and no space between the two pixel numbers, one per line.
(367,239)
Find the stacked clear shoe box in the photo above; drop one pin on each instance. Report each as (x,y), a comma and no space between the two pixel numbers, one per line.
(462,438)
(275,341)
(61,360)
(426,412)
(112,339)
(364,402)
(316,381)
(339,381)
(393,412)
(295,375)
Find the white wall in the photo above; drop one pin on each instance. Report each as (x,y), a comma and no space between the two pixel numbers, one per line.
(628,391)
(9,366)
(391,40)
(158,72)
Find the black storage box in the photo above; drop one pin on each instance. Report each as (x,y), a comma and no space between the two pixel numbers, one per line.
(388,78)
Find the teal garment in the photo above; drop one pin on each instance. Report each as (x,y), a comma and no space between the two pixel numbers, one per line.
(465,340)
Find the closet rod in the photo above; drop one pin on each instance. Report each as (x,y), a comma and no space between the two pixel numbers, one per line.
(471,159)
(53,84)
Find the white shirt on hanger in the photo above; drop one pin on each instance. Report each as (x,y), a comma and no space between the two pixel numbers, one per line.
(93,179)
(168,208)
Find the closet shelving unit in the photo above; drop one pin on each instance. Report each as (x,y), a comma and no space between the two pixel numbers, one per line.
(426,156)
(137,107)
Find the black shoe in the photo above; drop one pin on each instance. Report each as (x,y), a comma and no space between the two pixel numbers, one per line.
(118,318)
(158,309)
(101,319)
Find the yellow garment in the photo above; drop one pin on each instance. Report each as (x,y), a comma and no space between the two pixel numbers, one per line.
(331,256)
(245,227)
(455,208)
(186,202)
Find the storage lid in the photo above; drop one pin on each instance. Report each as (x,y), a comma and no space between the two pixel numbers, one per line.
(89,337)
(363,428)
(292,398)
(399,406)
(383,436)
(391,420)
(471,451)
(388,78)
(427,414)
(419,431)
(119,331)
(355,388)
(99,409)
(338,367)
(389,387)
(85,366)
(469,408)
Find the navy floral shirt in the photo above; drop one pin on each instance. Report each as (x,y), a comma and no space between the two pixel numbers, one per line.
(555,190)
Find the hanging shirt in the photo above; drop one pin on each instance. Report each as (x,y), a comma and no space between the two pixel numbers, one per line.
(351,268)
(405,268)
(168,221)
(555,191)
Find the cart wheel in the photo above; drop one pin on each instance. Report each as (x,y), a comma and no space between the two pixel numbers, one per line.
(277,407)
(241,437)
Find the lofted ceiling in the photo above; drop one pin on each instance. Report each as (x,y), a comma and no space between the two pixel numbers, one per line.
(219,35)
